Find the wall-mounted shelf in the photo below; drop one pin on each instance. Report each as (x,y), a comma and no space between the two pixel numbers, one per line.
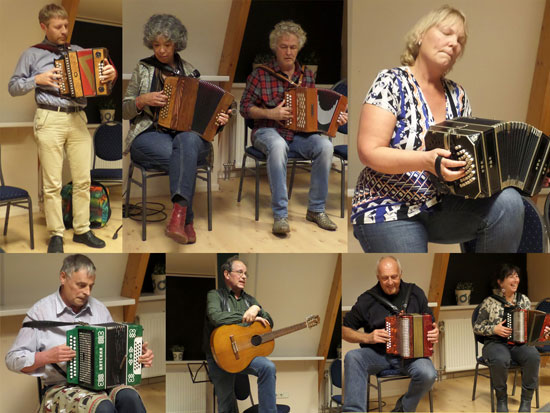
(149,297)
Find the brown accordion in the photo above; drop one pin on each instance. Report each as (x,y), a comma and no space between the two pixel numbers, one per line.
(497,154)
(314,110)
(193,105)
(80,72)
(527,325)
(409,335)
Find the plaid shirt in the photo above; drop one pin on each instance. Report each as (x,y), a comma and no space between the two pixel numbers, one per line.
(267,91)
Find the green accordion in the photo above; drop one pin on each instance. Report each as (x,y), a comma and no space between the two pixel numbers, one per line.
(106,355)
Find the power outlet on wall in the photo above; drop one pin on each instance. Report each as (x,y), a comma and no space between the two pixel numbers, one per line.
(282,395)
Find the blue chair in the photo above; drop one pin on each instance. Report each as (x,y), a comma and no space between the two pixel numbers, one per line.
(547,213)
(534,237)
(19,197)
(335,381)
(204,173)
(242,392)
(260,160)
(385,376)
(544,305)
(108,147)
(480,360)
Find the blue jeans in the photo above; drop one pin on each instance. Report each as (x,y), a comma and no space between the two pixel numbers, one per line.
(127,401)
(496,223)
(178,154)
(359,363)
(315,147)
(224,385)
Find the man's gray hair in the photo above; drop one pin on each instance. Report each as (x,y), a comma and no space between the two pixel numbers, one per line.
(76,262)
(228,264)
(391,257)
(168,26)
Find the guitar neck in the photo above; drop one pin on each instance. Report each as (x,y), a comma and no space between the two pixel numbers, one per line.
(283,331)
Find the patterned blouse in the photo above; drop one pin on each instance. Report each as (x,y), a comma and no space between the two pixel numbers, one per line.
(383,197)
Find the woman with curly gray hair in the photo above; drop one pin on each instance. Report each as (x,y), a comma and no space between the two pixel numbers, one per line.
(396,208)
(153,146)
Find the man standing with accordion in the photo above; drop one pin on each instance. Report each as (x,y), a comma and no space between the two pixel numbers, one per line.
(37,351)
(389,296)
(59,125)
(264,102)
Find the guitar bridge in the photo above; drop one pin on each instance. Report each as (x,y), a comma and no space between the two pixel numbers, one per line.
(234,347)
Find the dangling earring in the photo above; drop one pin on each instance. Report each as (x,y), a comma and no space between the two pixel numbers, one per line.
(419,43)
(502,290)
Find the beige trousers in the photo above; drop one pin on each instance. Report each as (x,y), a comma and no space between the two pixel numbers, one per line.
(56,132)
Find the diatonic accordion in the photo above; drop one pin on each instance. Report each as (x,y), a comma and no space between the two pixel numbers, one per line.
(527,325)
(409,335)
(80,72)
(497,154)
(314,110)
(106,355)
(193,105)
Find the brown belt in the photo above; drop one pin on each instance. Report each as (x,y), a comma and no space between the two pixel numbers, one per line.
(69,109)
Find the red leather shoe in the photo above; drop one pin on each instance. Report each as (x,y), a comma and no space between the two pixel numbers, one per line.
(175,228)
(190,232)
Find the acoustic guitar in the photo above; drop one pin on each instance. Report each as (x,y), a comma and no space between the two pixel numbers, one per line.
(234,346)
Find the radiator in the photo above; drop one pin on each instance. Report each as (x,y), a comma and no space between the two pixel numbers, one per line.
(154,332)
(459,345)
(182,395)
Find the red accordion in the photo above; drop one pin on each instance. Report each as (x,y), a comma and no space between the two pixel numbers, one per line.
(527,325)
(80,72)
(314,110)
(193,105)
(409,335)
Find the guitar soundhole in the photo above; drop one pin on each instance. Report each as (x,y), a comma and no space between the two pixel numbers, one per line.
(256,340)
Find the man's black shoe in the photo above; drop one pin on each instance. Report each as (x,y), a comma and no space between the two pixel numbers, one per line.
(89,239)
(56,244)
(399,405)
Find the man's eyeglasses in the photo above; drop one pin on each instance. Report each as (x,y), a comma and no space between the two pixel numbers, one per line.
(240,272)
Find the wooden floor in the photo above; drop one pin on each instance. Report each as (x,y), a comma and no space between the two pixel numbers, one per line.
(234,228)
(153,396)
(18,240)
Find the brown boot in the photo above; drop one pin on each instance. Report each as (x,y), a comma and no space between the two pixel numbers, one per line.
(190,231)
(175,228)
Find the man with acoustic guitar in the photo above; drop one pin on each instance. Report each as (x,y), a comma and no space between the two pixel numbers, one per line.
(389,295)
(230,304)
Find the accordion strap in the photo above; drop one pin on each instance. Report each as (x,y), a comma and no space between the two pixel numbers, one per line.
(505,303)
(51,324)
(280,76)
(393,309)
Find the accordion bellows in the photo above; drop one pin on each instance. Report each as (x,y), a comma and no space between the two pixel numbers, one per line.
(527,325)
(497,154)
(80,72)
(106,355)
(409,335)
(193,105)
(314,110)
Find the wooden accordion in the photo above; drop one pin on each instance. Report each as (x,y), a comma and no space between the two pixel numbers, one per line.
(409,335)
(106,355)
(314,110)
(193,105)
(80,72)
(527,325)
(497,154)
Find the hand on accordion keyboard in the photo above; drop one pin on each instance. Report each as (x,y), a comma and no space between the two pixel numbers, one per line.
(342,118)
(146,356)
(280,112)
(378,336)
(502,331)
(151,99)
(547,333)
(223,118)
(49,78)
(108,73)
(433,335)
(59,354)
(439,164)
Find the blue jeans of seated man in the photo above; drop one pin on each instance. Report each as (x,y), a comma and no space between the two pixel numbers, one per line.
(310,146)
(496,223)
(178,154)
(127,401)
(359,363)
(224,385)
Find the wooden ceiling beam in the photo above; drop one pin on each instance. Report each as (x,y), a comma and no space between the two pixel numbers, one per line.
(133,281)
(437,282)
(71,6)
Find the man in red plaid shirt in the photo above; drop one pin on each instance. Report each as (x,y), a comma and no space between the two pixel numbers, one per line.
(263,101)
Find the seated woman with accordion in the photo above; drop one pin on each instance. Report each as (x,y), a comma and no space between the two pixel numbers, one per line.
(499,349)
(396,207)
(153,146)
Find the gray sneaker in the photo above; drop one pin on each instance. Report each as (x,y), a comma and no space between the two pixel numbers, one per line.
(321,219)
(280,226)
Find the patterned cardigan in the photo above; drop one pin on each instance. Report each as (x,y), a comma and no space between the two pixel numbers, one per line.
(491,313)
(141,81)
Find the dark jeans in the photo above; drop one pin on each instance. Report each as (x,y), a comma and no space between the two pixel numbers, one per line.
(499,356)
(127,401)
(178,154)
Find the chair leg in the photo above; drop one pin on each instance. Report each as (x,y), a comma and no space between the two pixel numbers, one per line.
(514,386)
(209,196)
(143,205)
(368,393)
(379,395)
(257,192)
(243,168)
(492,392)
(430,397)
(8,206)
(475,382)
(31,223)
(342,188)
(128,186)
(537,396)
(291,183)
